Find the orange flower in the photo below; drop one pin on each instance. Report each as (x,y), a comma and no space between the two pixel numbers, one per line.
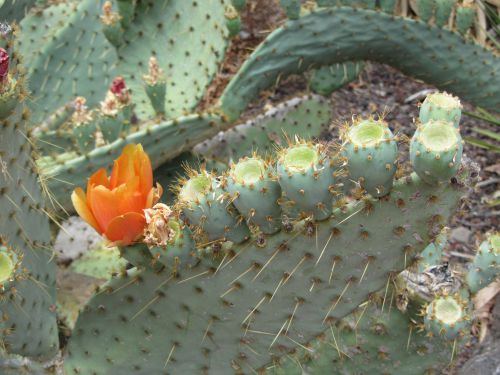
(114,206)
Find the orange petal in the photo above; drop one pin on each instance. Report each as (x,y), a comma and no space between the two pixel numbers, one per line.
(104,205)
(145,171)
(98,178)
(80,203)
(123,167)
(129,197)
(125,229)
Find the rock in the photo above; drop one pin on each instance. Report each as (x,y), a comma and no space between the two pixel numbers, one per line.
(460,234)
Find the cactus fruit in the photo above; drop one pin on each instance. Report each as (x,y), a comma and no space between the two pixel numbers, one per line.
(436,151)
(305,173)
(486,265)
(327,79)
(254,190)
(447,316)
(309,42)
(441,106)
(208,209)
(371,152)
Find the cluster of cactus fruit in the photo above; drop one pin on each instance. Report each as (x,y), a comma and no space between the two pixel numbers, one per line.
(260,260)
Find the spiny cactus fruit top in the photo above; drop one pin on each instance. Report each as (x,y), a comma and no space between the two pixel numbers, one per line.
(447,316)
(241,299)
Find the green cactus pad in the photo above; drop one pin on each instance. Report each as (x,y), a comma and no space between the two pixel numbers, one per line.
(443,12)
(31,320)
(377,339)
(441,106)
(263,298)
(40,25)
(371,152)
(291,8)
(100,262)
(425,9)
(85,135)
(15,10)
(328,79)
(62,69)
(9,268)
(255,192)
(465,18)
(209,211)
(486,265)
(188,39)
(328,36)
(436,151)
(446,316)
(305,174)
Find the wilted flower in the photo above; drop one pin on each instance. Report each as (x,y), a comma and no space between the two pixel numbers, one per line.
(157,231)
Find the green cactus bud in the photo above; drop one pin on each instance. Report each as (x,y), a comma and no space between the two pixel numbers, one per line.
(126,9)
(208,210)
(111,25)
(443,11)
(446,316)
(486,265)
(156,86)
(239,5)
(291,8)
(371,151)
(425,9)
(255,192)
(465,18)
(306,177)
(436,151)
(441,106)
(83,125)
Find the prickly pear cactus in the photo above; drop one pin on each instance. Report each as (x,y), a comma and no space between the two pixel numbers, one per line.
(241,305)
(27,290)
